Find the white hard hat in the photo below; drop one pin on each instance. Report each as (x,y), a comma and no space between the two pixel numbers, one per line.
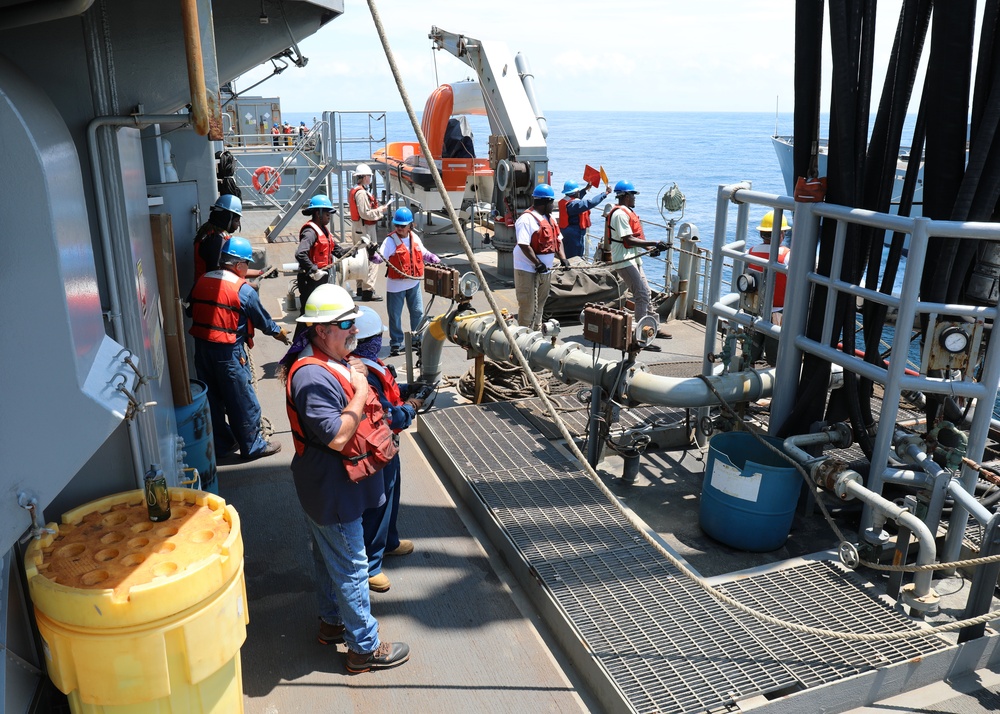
(363,170)
(369,323)
(329,303)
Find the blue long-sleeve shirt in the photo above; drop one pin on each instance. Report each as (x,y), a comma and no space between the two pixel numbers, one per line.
(253,311)
(573,234)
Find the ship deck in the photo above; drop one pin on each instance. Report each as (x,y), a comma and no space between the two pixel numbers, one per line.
(530,589)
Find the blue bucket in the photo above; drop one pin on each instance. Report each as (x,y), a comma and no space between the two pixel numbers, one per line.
(749,493)
(194,425)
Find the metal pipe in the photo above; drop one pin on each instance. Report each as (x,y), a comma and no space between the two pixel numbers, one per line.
(927,553)
(527,81)
(195,65)
(569,362)
(107,248)
(33,12)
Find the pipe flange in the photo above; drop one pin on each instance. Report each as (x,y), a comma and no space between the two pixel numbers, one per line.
(903,444)
(627,381)
(922,603)
(561,356)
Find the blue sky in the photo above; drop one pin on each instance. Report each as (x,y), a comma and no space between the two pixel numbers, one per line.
(656,55)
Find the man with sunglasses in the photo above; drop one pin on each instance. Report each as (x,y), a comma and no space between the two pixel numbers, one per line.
(226,310)
(330,408)
(317,249)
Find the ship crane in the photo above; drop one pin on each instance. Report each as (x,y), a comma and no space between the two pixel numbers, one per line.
(518,152)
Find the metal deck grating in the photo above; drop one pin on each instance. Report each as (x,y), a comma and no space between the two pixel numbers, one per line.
(821,595)
(577,416)
(666,644)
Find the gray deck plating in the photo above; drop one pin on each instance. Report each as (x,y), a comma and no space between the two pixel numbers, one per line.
(664,644)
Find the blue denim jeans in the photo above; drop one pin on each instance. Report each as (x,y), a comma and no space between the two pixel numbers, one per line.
(414,299)
(380,523)
(225,370)
(342,582)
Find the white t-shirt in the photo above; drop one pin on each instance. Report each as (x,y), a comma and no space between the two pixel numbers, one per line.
(524,228)
(389,245)
(620,226)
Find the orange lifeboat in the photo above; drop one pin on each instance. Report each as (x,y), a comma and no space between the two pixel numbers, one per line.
(468,180)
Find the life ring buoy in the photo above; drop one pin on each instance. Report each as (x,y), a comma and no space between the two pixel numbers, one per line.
(266,180)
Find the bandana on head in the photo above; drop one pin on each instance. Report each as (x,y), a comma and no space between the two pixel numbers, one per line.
(369,347)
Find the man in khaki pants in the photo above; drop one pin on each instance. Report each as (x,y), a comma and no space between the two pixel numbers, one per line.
(365,212)
(539,242)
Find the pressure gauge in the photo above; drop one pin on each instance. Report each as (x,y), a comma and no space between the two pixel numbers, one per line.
(468,285)
(954,339)
(746,283)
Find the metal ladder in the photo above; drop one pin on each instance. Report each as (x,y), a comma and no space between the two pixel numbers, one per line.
(298,199)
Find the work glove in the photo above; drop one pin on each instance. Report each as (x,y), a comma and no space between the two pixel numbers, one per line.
(372,250)
(540,268)
(318,275)
(283,336)
(662,245)
(564,263)
(339,252)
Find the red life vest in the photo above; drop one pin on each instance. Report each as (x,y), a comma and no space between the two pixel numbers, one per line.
(215,308)
(634,224)
(321,252)
(405,263)
(200,266)
(584,217)
(372,445)
(764,251)
(389,385)
(545,239)
(355,214)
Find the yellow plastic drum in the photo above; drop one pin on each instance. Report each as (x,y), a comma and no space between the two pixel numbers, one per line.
(143,617)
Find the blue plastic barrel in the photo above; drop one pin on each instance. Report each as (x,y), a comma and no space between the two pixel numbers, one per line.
(749,493)
(194,425)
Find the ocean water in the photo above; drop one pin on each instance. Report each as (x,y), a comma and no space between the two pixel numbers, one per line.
(696,150)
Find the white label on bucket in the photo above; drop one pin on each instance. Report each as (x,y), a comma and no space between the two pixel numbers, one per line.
(729,480)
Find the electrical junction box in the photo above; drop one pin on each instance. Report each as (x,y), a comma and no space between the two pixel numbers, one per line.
(606,326)
(441,281)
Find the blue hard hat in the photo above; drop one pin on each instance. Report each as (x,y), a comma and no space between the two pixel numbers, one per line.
(238,247)
(319,201)
(403,216)
(543,190)
(229,202)
(625,187)
(571,187)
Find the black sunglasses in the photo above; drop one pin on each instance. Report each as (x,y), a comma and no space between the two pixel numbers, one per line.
(344,324)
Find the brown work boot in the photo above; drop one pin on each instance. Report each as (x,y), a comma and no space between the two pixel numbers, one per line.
(405,547)
(379,583)
(330,634)
(387,654)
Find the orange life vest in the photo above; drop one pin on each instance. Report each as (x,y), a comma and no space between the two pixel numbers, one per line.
(355,214)
(215,308)
(372,445)
(405,263)
(321,252)
(564,215)
(389,385)
(545,239)
(634,224)
(764,251)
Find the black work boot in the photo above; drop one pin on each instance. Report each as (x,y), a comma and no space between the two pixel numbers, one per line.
(387,654)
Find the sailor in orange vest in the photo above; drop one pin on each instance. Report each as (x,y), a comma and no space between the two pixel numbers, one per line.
(624,235)
(764,251)
(225,310)
(381,534)
(339,427)
(574,215)
(365,212)
(539,242)
(405,255)
(317,249)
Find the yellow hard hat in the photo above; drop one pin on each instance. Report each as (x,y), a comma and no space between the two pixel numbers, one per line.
(767,222)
